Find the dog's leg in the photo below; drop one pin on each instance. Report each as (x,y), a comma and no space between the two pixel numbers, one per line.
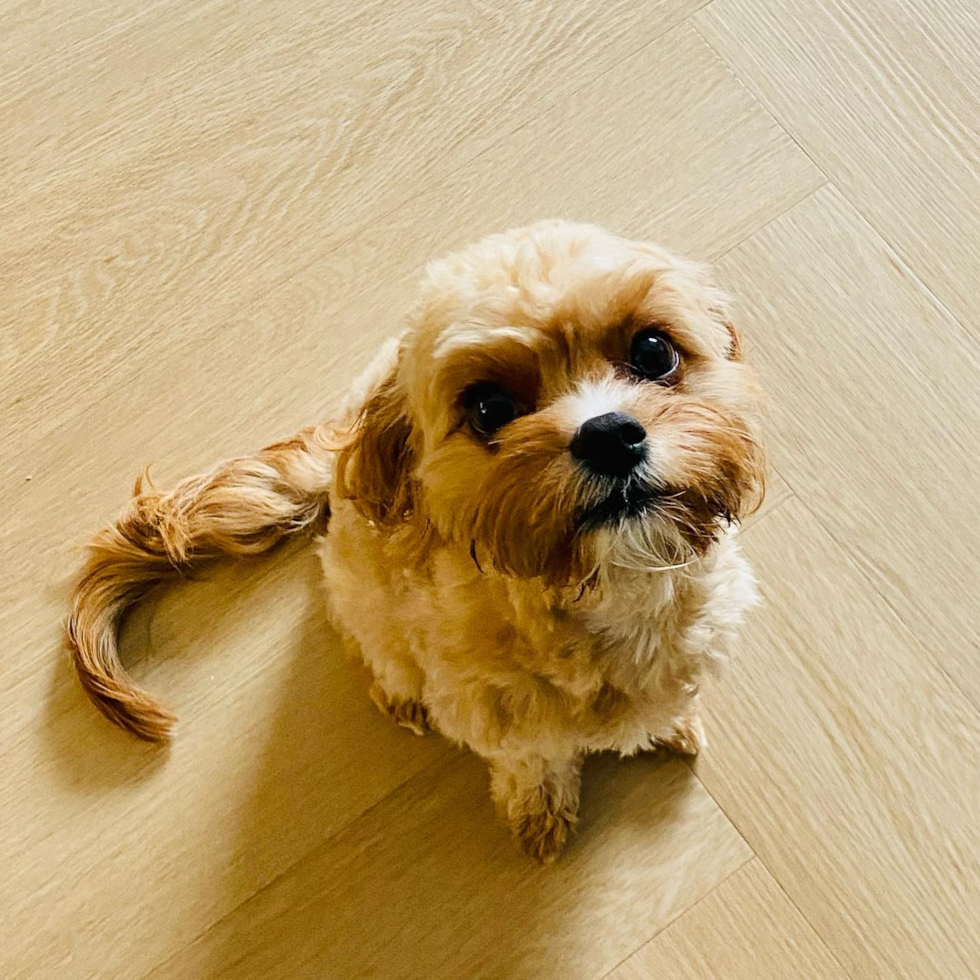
(538,799)
(397,692)
(685,734)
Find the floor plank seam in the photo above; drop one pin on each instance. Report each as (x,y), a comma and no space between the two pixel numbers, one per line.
(829,178)
(818,517)
(692,764)
(680,915)
(905,266)
(295,864)
(755,231)
(748,91)
(928,660)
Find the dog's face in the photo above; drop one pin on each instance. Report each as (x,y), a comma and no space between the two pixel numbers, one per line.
(563,398)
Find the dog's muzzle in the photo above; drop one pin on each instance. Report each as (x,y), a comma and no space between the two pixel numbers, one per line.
(611,449)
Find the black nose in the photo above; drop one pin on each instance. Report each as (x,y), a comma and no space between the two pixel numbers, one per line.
(611,444)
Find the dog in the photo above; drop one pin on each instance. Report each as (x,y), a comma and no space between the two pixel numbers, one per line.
(526,515)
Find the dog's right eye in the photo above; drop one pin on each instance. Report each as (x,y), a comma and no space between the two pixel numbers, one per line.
(489,408)
(653,356)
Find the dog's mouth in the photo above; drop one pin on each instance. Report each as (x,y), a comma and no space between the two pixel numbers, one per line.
(627,500)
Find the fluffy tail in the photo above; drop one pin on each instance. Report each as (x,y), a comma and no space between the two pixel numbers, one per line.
(241,507)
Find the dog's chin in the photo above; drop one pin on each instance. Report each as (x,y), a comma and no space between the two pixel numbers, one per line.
(640,526)
(625,502)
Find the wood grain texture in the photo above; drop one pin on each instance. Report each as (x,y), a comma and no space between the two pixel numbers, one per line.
(450,897)
(213,212)
(883,96)
(848,760)
(180,165)
(745,929)
(875,392)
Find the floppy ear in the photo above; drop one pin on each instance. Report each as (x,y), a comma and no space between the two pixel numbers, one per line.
(719,307)
(735,350)
(719,304)
(375,467)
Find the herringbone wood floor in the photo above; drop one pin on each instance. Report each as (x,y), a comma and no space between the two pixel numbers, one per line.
(213,212)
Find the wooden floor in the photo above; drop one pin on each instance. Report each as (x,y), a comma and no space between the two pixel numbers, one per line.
(212,213)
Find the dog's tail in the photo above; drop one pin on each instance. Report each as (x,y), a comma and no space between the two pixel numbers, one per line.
(241,507)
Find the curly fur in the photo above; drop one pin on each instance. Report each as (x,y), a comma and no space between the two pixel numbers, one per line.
(466,570)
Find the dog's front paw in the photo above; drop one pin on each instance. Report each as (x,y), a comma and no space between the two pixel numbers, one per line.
(542,826)
(407,713)
(685,737)
(538,799)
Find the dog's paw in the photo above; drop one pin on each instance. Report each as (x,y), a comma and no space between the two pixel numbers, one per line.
(686,737)
(405,712)
(543,830)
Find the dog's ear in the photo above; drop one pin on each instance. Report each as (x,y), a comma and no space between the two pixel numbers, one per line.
(719,308)
(735,349)
(375,466)
(719,304)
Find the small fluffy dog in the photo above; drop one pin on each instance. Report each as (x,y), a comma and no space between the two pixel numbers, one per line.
(531,502)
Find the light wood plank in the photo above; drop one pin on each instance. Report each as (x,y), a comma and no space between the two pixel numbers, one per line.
(213,211)
(746,929)
(425,886)
(884,97)
(876,414)
(880,451)
(41,35)
(849,763)
(179,166)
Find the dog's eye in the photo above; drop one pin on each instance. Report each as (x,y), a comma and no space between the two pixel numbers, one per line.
(489,408)
(653,355)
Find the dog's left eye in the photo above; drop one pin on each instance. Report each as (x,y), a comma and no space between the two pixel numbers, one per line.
(489,408)
(653,355)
